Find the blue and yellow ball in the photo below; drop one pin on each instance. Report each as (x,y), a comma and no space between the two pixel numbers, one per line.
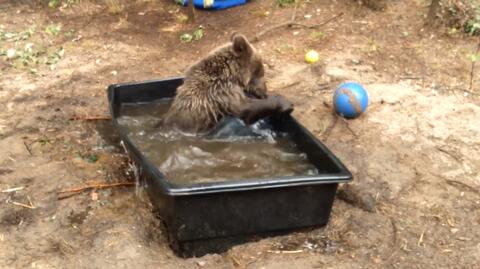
(350,100)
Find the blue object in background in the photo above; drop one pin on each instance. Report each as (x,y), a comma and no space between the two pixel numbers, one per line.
(350,100)
(213,4)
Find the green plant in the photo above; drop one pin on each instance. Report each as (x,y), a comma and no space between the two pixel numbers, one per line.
(14,37)
(463,15)
(71,2)
(473,57)
(69,33)
(53,29)
(317,35)
(28,55)
(23,51)
(198,33)
(54,3)
(58,3)
(114,6)
(284,3)
(53,58)
(91,158)
(372,46)
(472,26)
(186,37)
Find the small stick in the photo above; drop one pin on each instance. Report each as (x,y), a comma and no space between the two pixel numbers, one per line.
(420,240)
(97,186)
(447,152)
(13,189)
(456,183)
(290,85)
(470,92)
(28,148)
(407,77)
(250,262)
(323,87)
(191,12)
(294,15)
(348,127)
(285,251)
(65,196)
(291,24)
(326,104)
(91,118)
(23,205)
(473,67)
(30,201)
(329,129)
(236,263)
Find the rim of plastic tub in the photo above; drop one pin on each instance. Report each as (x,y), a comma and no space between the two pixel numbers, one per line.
(169,188)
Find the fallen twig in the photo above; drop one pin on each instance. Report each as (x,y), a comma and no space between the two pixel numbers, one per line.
(23,205)
(420,240)
(411,77)
(461,89)
(323,87)
(449,153)
(294,15)
(285,251)
(97,186)
(65,196)
(326,104)
(289,85)
(473,67)
(91,118)
(28,148)
(30,201)
(394,248)
(329,129)
(456,183)
(13,189)
(292,23)
(235,261)
(348,127)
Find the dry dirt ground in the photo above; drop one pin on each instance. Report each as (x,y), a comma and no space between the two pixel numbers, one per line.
(415,154)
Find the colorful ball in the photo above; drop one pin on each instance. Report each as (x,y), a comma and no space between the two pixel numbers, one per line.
(350,100)
(312,57)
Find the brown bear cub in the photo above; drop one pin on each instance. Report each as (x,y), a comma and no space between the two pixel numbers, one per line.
(229,81)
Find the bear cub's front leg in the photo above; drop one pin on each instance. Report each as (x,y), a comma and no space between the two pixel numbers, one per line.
(256,109)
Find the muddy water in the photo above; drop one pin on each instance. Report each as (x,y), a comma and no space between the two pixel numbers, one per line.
(187,159)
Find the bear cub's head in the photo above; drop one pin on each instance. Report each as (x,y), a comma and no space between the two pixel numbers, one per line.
(252,65)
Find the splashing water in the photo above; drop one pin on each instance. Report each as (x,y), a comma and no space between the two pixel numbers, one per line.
(232,151)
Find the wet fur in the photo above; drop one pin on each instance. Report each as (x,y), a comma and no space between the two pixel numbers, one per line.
(218,85)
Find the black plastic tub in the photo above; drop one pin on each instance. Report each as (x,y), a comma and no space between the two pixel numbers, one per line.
(210,217)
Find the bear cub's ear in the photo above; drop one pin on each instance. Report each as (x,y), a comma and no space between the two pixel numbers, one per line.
(241,45)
